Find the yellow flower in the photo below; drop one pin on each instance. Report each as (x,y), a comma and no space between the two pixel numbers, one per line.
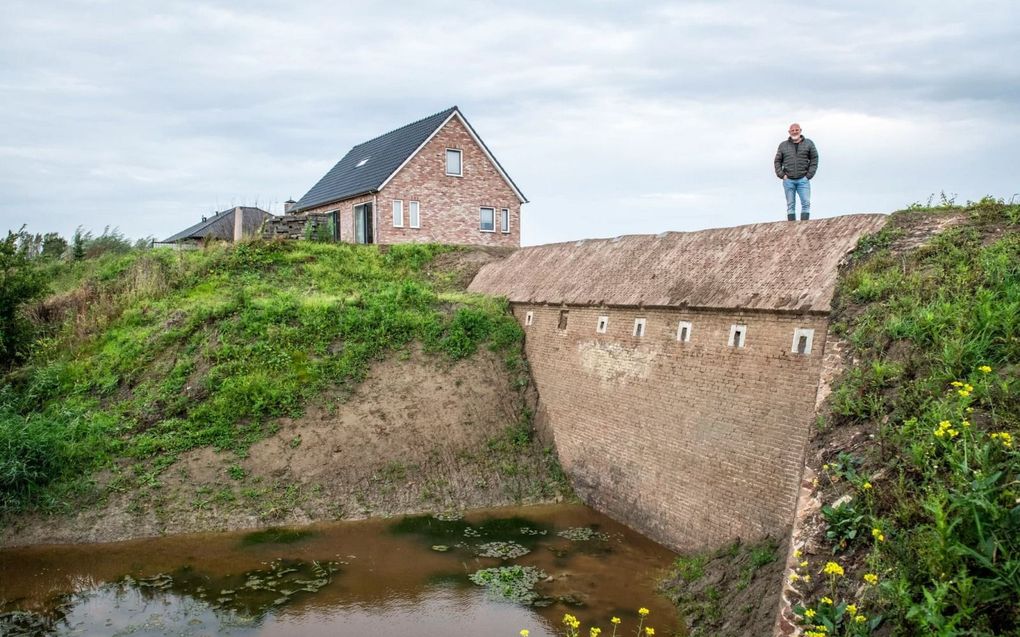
(866,486)
(852,609)
(809,613)
(525,632)
(985,369)
(595,631)
(812,633)
(821,629)
(860,619)
(649,631)
(963,392)
(615,620)
(806,578)
(967,387)
(871,578)
(828,600)
(794,577)
(1005,438)
(797,553)
(833,568)
(966,424)
(825,467)
(643,612)
(877,534)
(571,621)
(803,564)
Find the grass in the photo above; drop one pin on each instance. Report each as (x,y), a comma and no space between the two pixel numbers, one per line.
(149,354)
(934,521)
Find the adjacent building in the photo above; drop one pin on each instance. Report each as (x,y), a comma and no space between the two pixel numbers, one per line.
(433,180)
(232,224)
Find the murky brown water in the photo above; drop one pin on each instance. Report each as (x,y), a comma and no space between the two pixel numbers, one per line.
(376,577)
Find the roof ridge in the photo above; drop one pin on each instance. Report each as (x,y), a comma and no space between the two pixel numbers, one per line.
(400,128)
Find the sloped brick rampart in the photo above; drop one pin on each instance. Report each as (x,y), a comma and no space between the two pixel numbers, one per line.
(693,443)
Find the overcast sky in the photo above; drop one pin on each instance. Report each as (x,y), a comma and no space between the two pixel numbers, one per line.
(612,117)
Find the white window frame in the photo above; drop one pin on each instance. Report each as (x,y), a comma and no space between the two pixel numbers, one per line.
(640,326)
(799,332)
(529,318)
(738,333)
(398,213)
(680,336)
(413,214)
(602,325)
(460,162)
(504,220)
(481,225)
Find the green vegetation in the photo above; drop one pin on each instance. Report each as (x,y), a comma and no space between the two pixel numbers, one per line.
(727,591)
(144,354)
(932,532)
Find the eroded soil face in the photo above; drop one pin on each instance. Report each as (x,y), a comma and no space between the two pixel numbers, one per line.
(419,434)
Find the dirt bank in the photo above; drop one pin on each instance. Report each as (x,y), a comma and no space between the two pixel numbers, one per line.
(419,434)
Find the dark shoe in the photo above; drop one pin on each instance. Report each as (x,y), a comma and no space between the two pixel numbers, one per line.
(791,217)
(804,216)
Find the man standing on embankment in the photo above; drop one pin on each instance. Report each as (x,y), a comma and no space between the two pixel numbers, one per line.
(796,162)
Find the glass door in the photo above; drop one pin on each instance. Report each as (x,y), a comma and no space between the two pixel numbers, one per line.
(363,223)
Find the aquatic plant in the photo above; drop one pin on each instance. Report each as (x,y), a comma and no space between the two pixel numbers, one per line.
(512,583)
(502,550)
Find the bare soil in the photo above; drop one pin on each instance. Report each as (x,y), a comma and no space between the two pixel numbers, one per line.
(419,434)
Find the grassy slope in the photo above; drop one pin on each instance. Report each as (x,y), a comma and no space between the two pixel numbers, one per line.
(150,354)
(935,517)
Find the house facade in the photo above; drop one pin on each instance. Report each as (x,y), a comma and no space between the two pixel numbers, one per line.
(431,181)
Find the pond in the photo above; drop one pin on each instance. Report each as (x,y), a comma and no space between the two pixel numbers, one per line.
(491,573)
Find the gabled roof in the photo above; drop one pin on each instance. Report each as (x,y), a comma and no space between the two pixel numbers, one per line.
(782,266)
(221,225)
(369,166)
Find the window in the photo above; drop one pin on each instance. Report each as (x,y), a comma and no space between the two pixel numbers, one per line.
(683,332)
(362,162)
(414,217)
(504,221)
(529,318)
(639,327)
(738,333)
(398,213)
(563,319)
(802,340)
(453,164)
(602,325)
(488,220)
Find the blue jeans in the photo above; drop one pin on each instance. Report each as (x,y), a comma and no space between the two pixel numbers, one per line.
(800,187)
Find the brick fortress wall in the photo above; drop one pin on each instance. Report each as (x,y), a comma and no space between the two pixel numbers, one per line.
(692,443)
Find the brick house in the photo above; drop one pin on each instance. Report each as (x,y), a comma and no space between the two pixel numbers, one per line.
(433,180)
(232,224)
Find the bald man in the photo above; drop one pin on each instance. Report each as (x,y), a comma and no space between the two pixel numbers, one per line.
(796,163)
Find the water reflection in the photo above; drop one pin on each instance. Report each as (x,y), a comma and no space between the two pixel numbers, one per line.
(410,576)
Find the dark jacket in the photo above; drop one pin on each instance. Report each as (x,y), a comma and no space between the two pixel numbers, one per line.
(796,160)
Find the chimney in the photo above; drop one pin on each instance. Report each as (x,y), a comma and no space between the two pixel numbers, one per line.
(288,206)
(238,223)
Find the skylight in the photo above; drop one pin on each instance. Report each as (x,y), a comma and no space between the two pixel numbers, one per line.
(362,162)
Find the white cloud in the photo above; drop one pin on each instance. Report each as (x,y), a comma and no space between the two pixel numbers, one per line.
(613,118)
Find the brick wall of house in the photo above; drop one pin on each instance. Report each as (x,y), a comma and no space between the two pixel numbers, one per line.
(449,207)
(692,443)
(346,209)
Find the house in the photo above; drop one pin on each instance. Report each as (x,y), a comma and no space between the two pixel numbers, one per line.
(231,224)
(433,180)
